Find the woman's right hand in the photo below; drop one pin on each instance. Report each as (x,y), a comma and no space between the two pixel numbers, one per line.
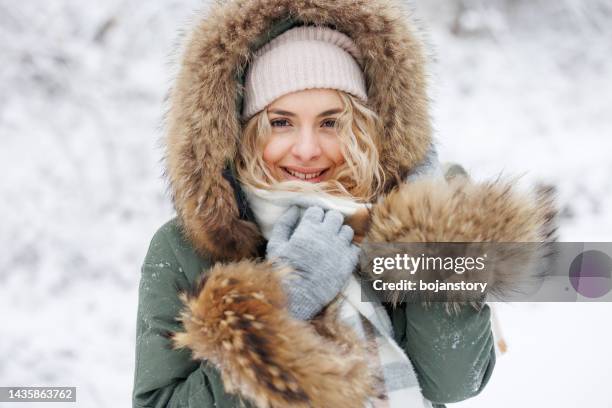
(321,253)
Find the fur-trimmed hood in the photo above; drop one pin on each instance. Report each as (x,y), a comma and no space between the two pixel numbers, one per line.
(236,316)
(203,127)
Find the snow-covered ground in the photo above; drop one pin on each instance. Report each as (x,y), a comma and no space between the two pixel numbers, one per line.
(518,87)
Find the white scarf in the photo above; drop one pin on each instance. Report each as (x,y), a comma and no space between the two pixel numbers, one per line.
(369,318)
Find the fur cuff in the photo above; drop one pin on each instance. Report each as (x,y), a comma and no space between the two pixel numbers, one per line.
(463,211)
(238,321)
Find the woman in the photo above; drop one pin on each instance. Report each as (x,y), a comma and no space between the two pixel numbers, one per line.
(248,295)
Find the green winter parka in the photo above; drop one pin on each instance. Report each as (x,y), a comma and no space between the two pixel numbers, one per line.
(170,378)
(205,266)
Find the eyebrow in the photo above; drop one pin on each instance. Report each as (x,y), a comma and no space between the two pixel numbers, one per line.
(291,114)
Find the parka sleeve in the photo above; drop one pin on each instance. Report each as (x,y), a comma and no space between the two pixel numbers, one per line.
(220,335)
(165,377)
(453,353)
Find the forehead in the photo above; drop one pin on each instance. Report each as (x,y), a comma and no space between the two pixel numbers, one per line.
(309,101)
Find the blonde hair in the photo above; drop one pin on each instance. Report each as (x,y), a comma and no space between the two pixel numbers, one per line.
(360,177)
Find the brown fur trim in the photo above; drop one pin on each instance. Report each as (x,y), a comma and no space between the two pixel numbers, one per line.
(360,223)
(203,127)
(238,322)
(461,211)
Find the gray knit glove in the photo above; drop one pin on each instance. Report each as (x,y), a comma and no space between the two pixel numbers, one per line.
(321,253)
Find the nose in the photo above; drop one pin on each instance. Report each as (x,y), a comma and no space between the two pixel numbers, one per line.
(307,146)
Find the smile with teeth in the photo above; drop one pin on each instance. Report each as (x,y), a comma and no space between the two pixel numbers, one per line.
(303,176)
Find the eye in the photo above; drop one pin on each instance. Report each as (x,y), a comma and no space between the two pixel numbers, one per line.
(279,123)
(329,123)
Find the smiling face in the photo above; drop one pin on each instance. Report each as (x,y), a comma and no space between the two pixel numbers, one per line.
(304,143)
(319,140)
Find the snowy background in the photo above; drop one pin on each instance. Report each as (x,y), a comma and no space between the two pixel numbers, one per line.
(518,87)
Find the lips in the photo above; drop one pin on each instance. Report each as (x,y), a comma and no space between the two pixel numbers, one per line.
(303,174)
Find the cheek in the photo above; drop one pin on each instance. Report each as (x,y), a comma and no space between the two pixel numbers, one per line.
(276,149)
(332,150)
